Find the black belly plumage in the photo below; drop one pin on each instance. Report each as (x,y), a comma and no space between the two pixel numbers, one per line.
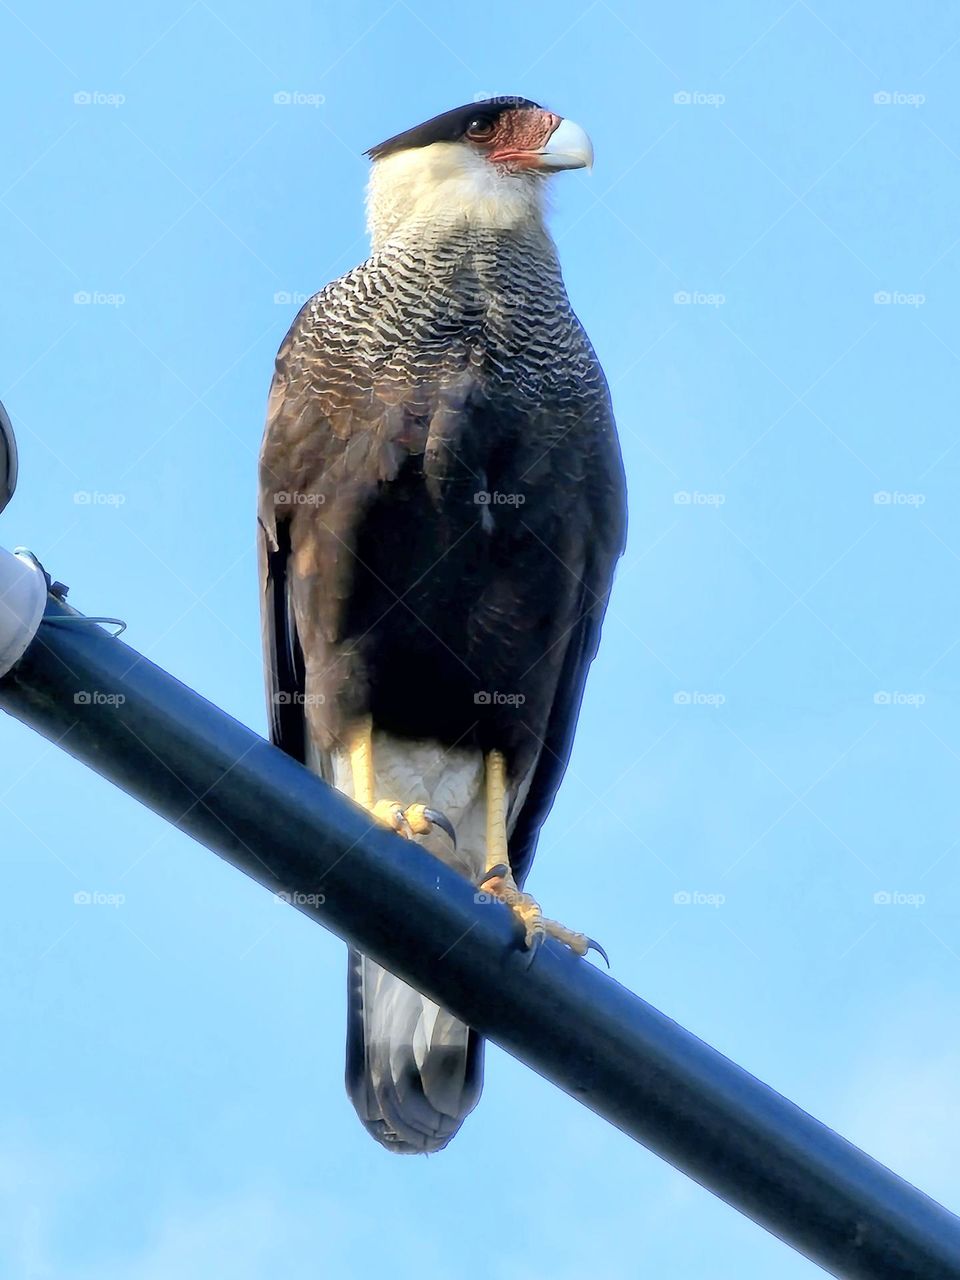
(453,610)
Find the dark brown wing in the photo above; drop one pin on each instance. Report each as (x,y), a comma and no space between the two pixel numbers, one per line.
(604,550)
(341,423)
(283,656)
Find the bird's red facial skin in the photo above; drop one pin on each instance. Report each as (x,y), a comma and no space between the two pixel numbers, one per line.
(519,136)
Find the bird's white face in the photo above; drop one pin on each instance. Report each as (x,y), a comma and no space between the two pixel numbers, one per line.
(490,176)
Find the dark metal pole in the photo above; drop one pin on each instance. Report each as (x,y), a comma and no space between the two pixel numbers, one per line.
(216,780)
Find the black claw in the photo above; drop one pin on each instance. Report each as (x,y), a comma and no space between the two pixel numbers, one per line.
(595,946)
(533,950)
(495,873)
(441,820)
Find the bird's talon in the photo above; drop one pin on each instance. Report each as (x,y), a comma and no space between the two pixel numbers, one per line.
(414,820)
(532,944)
(593,945)
(499,872)
(438,819)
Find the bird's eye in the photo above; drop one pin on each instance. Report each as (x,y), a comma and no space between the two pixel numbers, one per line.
(480,128)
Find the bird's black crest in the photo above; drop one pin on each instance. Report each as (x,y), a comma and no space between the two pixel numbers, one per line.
(449,127)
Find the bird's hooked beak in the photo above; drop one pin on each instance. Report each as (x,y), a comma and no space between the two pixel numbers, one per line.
(567,147)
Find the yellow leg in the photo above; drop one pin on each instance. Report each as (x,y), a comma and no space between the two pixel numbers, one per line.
(360,746)
(410,820)
(497,851)
(499,880)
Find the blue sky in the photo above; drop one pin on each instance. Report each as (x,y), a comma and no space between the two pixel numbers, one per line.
(759,821)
